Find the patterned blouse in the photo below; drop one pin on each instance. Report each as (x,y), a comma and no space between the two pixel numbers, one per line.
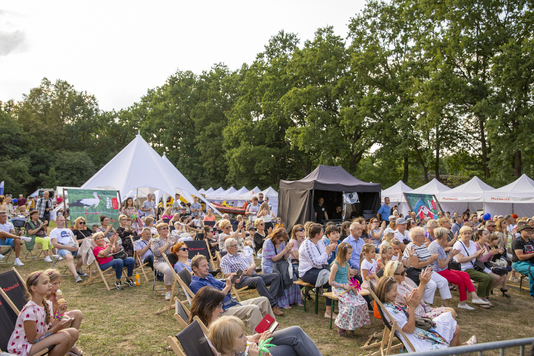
(158,243)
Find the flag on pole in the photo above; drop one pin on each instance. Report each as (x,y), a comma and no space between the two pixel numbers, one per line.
(2,188)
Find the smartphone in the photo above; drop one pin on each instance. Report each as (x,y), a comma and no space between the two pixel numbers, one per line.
(236,277)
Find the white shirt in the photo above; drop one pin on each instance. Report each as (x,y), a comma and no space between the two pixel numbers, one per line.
(511,228)
(64,236)
(471,250)
(311,256)
(7,227)
(254,210)
(401,237)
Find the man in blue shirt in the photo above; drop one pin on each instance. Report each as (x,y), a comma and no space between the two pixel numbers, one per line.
(384,212)
(251,311)
(357,243)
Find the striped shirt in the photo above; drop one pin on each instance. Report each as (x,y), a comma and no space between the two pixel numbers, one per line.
(232,263)
(422,252)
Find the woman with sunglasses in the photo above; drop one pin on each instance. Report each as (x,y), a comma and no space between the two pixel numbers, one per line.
(125,231)
(181,252)
(298,235)
(259,236)
(80,230)
(161,244)
(445,332)
(406,286)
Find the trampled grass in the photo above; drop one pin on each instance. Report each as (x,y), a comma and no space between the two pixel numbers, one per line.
(123,322)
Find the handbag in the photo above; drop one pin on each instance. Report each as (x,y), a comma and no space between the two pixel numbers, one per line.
(121,254)
(455,265)
(477,265)
(424,323)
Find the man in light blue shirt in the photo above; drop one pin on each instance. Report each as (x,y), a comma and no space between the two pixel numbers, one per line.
(357,243)
(384,212)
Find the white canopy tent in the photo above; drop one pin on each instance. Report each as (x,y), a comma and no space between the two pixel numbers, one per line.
(138,167)
(395,193)
(233,198)
(227,192)
(434,187)
(215,194)
(516,197)
(201,191)
(273,198)
(209,191)
(248,196)
(469,195)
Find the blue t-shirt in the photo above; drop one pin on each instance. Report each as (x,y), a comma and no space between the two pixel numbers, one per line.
(384,212)
(197,283)
(334,253)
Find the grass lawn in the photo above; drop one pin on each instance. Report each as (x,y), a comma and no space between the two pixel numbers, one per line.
(123,323)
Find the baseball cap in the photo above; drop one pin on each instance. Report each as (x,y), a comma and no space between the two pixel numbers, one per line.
(401,221)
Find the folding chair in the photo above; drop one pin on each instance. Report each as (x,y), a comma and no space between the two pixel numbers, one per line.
(386,346)
(9,314)
(181,313)
(169,307)
(192,341)
(7,251)
(139,262)
(202,247)
(94,279)
(14,286)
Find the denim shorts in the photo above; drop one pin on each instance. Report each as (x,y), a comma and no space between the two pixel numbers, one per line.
(7,242)
(63,252)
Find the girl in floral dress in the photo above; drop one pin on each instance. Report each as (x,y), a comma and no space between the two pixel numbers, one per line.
(35,330)
(353,312)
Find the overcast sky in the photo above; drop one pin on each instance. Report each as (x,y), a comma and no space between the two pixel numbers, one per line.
(117,50)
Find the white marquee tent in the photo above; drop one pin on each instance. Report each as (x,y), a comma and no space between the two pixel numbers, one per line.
(516,197)
(469,195)
(395,193)
(433,187)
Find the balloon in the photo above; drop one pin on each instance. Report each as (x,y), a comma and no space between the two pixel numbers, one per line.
(14,201)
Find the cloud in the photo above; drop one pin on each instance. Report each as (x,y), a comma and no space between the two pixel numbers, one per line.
(11,41)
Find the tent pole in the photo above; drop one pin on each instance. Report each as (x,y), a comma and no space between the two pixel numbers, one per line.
(65,210)
(313,205)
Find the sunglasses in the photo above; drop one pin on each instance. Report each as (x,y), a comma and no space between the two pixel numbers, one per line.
(261,224)
(184,249)
(164,228)
(403,273)
(82,222)
(300,230)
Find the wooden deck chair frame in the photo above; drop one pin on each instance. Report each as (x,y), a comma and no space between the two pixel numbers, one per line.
(12,306)
(386,346)
(138,260)
(175,344)
(94,278)
(176,279)
(185,323)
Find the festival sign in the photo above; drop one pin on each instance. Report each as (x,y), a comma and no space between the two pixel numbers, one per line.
(91,203)
(424,205)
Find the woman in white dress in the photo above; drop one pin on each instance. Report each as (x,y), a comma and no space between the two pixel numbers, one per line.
(444,333)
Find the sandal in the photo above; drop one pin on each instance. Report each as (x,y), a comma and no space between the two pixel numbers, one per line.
(342,332)
(505,293)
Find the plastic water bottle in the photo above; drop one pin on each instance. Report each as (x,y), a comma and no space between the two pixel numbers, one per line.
(137,279)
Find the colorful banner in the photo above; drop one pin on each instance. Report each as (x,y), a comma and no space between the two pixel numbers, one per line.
(424,205)
(91,203)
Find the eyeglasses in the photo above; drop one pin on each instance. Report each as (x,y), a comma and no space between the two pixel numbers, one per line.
(233,246)
(184,249)
(491,225)
(164,228)
(403,273)
(261,224)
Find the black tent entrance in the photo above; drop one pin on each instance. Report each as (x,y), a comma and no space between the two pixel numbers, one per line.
(298,200)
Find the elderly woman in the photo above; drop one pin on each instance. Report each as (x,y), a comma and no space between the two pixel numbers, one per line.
(276,258)
(431,225)
(405,287)
(259,236)
(207,305)
(467,257)
(36,230)
(104,256)
(421,259)
(446,332)
(481,243)
(125,231)
(459,278)
(226,226)
(181,252)
(162,245)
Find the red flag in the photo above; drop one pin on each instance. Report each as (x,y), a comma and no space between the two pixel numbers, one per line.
(421,214)
(433,205)
(114,203)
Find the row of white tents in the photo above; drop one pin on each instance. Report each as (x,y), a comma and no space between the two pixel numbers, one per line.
(516,197)
(238,197)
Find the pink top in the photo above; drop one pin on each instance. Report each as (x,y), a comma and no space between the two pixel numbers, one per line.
(18,344)
(101,260)
(167,217)
(486,256)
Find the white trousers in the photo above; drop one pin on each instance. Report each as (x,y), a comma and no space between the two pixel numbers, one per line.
(436,282)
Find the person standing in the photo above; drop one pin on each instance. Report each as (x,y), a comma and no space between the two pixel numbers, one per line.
(196,208)
(384,212)
(149,206)
(320,211)
(21,200)
(176,207)
(44,206)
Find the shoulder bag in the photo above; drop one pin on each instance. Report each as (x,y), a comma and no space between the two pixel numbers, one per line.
(477,265)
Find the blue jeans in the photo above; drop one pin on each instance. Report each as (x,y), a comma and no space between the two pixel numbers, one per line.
(523,268)
(119,264)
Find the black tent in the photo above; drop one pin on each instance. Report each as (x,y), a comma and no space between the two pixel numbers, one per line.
(297,199)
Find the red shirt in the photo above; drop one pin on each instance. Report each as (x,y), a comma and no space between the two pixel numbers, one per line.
(101,260)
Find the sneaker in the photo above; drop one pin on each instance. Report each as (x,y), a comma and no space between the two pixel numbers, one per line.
(2,257)
(119,286)
(18,262)
(479,301)
(81,274)
(168,295)
(58,257)
(130,282)
(472,340)
(78,279)
(48,259)
(26,239)
(465,306)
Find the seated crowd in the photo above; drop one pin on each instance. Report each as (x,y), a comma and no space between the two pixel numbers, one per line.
(403,261)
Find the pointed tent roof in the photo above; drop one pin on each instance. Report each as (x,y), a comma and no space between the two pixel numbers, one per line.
(126,172)
(270,192)
(395,193)
(202,191)
(519,191)
(331,178)
(209,191)
(227,192)
(248,195)
(471,191)
(433,187)
(235,195)
(215,194)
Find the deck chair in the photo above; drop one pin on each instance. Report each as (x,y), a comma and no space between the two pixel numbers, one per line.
(192,341)
(7,251)
(94,277)
(386,346)
(181,313)
(176,280)
(14,286)
(31,245)
(139,262)
(202,247)
(9,314)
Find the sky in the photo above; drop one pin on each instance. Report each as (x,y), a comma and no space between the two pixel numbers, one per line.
(117,50)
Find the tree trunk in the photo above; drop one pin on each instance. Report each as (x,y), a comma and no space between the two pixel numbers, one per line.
(425,172)
(436,163)
(406,171)
(517,163)
(484,148)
